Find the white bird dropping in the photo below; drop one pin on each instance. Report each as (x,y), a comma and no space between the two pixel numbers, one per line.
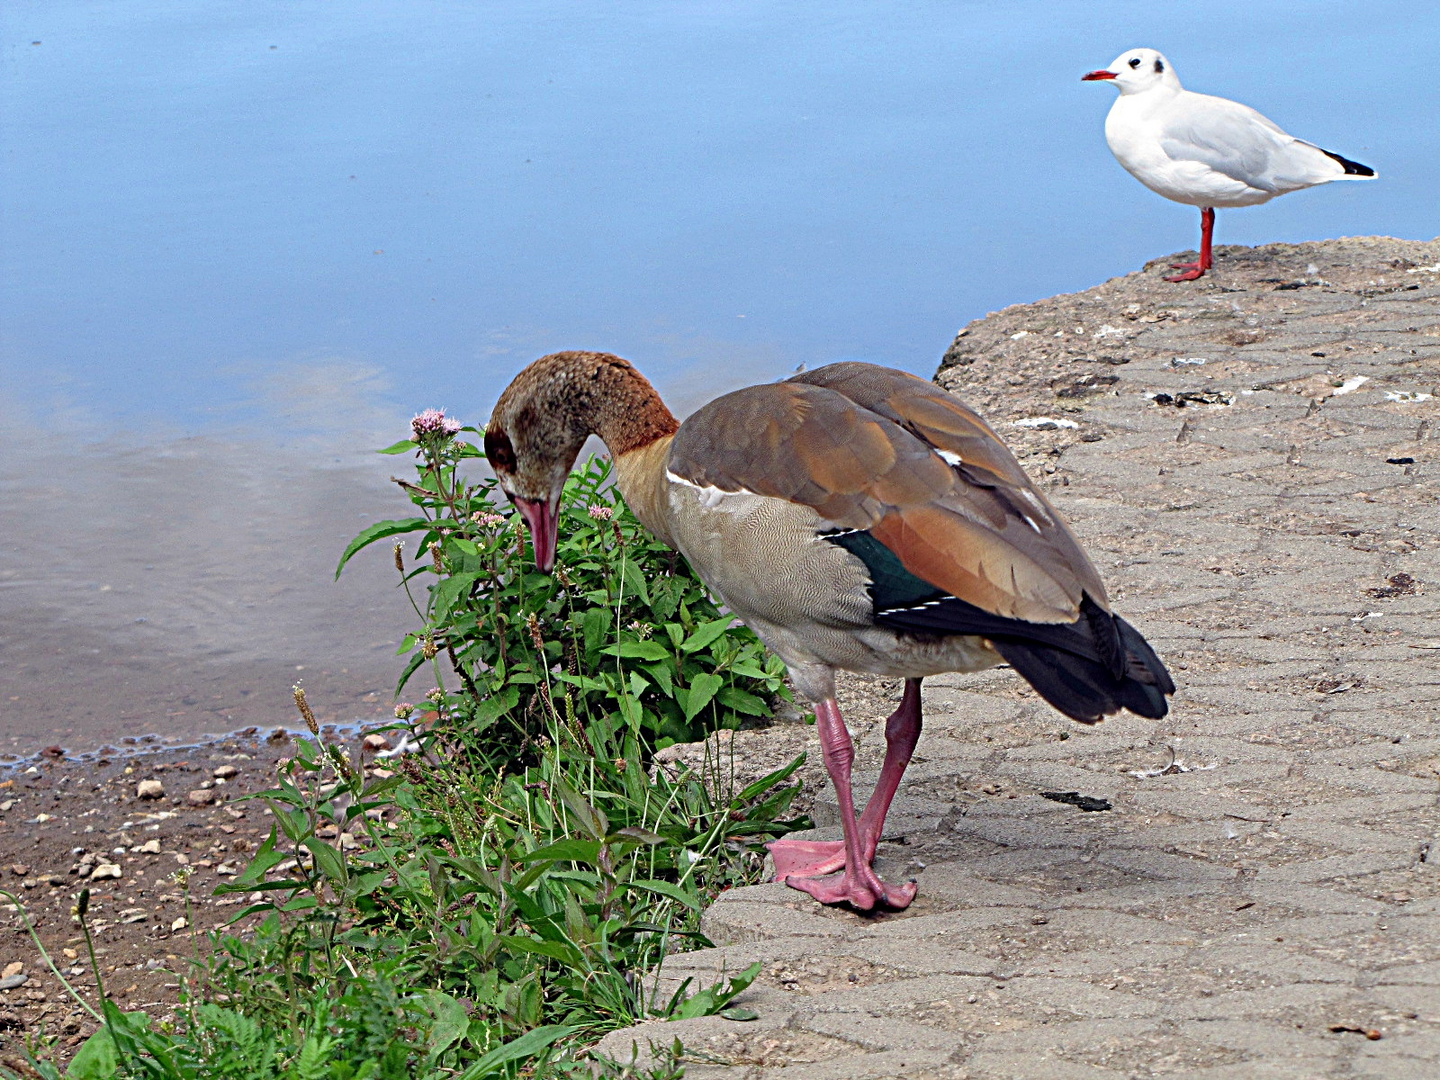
(1205,151)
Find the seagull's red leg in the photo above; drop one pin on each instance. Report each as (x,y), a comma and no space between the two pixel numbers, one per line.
(1197,269)
(857,884)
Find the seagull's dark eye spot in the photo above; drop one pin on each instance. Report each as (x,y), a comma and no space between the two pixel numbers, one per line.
(1135,62)
(1159,67)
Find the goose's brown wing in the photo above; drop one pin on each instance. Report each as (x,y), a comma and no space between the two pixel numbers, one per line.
(954,536)
(878,451)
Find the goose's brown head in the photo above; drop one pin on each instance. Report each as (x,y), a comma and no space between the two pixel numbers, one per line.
(544,417)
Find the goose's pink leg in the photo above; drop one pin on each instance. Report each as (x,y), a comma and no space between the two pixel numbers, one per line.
(802,863)
(1197,269)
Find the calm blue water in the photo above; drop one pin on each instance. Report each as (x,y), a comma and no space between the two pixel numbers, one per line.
(240,241)
(207,202)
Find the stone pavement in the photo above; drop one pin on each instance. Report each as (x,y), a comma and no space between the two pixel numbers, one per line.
(1265,872)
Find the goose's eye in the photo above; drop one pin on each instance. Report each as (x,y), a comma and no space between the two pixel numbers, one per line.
(498,451)
(1135,63)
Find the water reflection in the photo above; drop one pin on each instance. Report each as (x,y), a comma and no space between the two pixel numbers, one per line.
(181,584)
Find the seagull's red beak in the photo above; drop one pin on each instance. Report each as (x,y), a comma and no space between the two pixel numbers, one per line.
(543,519)
(1095,76)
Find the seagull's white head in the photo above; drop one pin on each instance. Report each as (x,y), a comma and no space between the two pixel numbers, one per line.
(1136,71)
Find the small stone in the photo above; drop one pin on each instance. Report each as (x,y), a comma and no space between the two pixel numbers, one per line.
(200,797)
(19,869)
(133,915)
(13,982)
(150,789)
(56,880)
(106,870)
(14,968)
(225,772)
(70,954)
(1039,920)
(150,847)
(178,925)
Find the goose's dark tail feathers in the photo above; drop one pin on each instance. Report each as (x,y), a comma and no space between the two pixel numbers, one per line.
(1087,669)
(1085,689)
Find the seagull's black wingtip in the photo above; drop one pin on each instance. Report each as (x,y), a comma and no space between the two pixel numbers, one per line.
(1352,168)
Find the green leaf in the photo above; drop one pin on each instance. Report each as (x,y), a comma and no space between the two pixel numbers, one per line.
(264,861)
(702,689)
(526,1046)
(451,1022)
(445,594)
(570,850)
(379,531)
(97,1059)
(416,661)
(490,709)
(591,818)
(739,1012)
(556,950)
(327,858)
(635,581)
(595,625)
(705,633)
(639,650)
(638,685)
(742,701)
(765,783)
(663,677)
(665,888)
(637,835)
(400,447)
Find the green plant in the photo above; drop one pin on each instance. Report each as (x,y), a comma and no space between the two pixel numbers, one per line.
(621,635)
(506,894)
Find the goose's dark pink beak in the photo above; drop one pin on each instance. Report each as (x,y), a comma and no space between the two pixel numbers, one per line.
(1095,76)
(543,520)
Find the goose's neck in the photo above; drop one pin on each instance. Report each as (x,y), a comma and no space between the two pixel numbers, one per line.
(640,475)
(632,420)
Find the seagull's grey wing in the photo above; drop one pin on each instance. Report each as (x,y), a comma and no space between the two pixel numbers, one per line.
(1235,140)
(1231,138)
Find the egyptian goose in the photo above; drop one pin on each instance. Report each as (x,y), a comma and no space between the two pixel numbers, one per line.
(1205,151)
(854,517)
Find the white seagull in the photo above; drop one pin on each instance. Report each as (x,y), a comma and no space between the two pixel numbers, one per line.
(1205,151)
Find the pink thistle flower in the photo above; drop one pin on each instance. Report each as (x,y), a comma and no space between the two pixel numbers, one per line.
(433,424)
(600,513)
